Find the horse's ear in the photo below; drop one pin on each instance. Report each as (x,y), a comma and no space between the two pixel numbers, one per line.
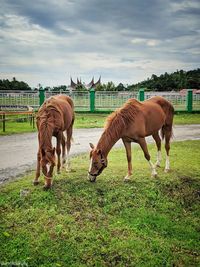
(91,145)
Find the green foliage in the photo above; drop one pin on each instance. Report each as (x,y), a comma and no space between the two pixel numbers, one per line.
(60,88)
(146,222)
(120,87)
(110,86)
(100,87)
(174,81)
(5,84)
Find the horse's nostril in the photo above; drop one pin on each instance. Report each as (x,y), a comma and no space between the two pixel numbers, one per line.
(91,178)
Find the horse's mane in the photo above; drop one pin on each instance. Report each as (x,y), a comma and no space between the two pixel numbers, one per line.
(117,121)
(47,123)
(45,131)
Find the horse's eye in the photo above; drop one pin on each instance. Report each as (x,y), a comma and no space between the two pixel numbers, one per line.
(95,164)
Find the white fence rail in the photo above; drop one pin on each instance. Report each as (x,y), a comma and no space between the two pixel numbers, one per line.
(103,101)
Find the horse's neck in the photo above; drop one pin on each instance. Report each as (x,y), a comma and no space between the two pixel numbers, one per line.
(46,133)
(106,142)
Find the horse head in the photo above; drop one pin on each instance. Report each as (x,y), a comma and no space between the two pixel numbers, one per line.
(48,161)
(98,162)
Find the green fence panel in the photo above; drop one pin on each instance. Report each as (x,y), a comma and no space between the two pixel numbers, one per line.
(92,101)
(110,100)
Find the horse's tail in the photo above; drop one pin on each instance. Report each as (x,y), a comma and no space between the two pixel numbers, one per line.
(167,128)
(70,101)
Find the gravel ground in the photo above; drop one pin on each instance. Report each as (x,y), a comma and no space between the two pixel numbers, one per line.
(18,152)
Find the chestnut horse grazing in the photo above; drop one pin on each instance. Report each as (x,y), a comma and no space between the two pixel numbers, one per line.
(54,117)
(132,123)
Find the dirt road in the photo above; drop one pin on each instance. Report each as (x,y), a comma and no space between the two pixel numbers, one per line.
(18,152)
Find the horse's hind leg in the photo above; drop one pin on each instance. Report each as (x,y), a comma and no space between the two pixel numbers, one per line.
(157,139)
(143,145)
(69,137)
(58,151)
(63,150)
(167,148)
(37,175)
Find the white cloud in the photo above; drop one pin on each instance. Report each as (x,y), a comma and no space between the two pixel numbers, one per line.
(46,43)
(144,41)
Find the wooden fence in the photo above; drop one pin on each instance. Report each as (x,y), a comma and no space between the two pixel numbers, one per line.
(8,116)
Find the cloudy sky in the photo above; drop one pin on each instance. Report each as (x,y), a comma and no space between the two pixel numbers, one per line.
(47,41)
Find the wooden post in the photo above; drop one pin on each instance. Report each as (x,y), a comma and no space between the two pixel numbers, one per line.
(33,117)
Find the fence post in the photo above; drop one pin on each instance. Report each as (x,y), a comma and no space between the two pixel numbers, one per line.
(141,94)
(92,100)
(41,95)
(189,100)
(4,122)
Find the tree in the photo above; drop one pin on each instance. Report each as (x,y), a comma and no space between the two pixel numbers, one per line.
(110,86)
(14,85)
(120,87)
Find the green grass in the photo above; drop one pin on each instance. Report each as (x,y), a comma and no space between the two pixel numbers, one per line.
(146,222)
(90,121)
(185,118)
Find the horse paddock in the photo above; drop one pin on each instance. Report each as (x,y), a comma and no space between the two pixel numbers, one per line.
(145,222)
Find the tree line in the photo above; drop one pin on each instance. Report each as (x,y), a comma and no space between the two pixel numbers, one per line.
(14,85)
(175,81)
(165,82)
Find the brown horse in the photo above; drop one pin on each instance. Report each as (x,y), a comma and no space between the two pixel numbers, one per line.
(54,117)
(132,123)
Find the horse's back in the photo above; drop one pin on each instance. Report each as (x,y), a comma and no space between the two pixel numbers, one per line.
(157,112)
(65,98)
(63,105)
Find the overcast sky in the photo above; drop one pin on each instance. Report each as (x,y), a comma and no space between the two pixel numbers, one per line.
(47,41)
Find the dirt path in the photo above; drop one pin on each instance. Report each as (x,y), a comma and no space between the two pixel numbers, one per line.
(18,152)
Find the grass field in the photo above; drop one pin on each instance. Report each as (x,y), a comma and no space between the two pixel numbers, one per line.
(146,222)
(90,121)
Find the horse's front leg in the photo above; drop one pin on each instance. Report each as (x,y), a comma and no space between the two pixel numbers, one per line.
(69,137)
(128,155)
(58,151)
(37,175)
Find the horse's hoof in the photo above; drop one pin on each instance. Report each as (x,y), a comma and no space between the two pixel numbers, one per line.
(166,170)
(154,175)
(127,179)
(46,187)
(157,165)
(35,182)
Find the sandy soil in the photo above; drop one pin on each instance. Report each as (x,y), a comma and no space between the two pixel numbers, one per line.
(18,152)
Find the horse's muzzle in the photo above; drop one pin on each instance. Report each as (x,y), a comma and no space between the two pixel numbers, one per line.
(91,178)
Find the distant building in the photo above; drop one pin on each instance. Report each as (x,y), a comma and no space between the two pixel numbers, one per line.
(184,91)
(88,86)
